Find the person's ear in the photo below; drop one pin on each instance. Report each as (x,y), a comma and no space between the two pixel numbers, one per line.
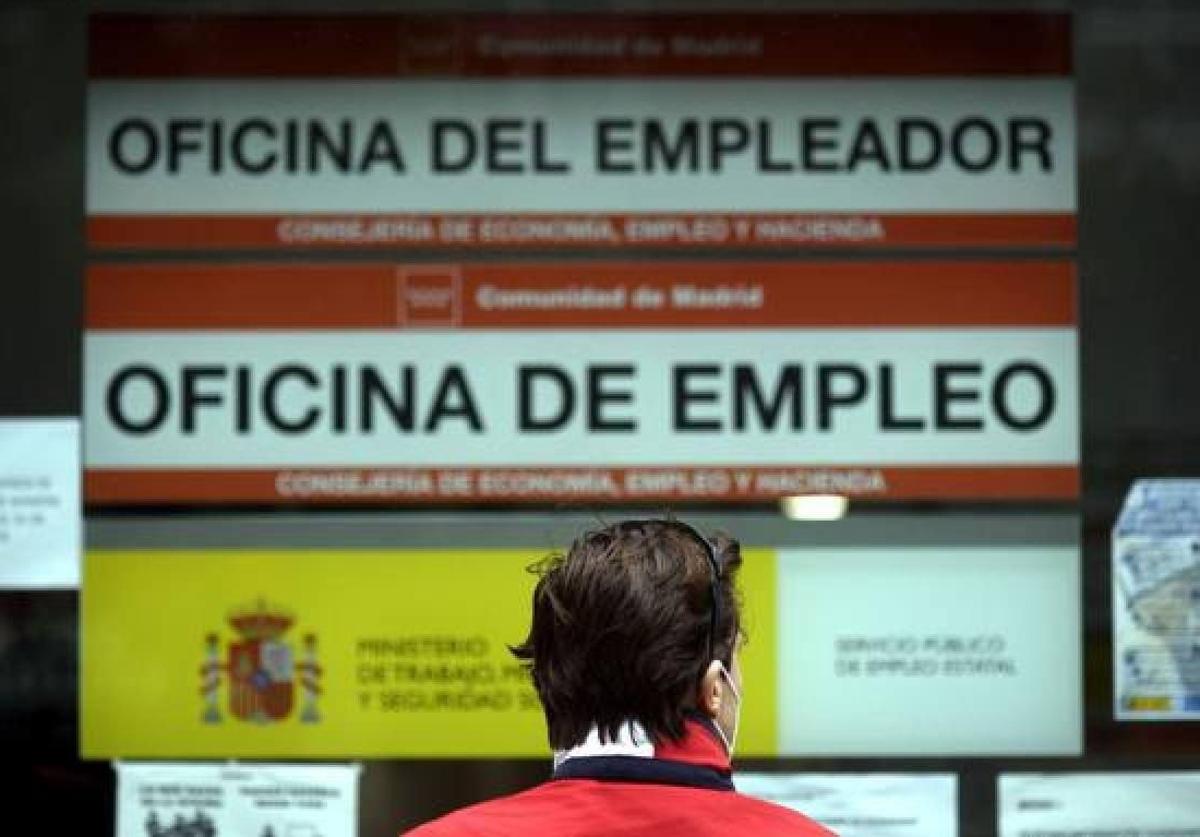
(711,690)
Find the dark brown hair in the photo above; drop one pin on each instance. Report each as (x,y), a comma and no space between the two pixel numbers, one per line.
(621,628)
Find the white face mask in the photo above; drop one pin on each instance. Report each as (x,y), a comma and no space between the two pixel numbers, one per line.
(730,738)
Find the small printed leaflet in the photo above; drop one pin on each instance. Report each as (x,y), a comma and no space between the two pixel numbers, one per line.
(1156,601)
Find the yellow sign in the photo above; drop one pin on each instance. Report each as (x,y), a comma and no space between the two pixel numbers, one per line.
(335,653)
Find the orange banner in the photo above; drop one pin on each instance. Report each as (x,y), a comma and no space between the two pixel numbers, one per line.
(743,294)
(518,231)
(368,486)
(713,44)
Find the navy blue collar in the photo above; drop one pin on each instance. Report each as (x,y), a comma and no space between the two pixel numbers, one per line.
(697,761)
(653,771)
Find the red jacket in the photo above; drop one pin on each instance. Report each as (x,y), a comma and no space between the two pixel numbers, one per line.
(684,789)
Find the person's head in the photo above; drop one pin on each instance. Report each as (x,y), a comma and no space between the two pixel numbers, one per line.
(623,630)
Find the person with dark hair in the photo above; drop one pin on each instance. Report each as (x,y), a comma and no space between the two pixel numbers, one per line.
(633,652)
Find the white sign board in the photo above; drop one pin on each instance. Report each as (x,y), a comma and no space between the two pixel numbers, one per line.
(930,651)
(576,130)
(39,502)
(667,392)
(605,381)
(162,799)
(1099,804)
(865,805)
(581,146)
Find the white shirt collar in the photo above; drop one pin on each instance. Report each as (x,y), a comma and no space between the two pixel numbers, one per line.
(631,741)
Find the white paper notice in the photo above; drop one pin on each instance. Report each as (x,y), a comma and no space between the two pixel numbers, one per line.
(1100,805)
(40,530)
(927,651)
(161,799)
(864,805)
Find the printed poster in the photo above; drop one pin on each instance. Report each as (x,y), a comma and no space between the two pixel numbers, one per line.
(164,799)
(866,804)
(1149,804)
(1156,602)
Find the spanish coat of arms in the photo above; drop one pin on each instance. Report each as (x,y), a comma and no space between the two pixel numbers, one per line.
(261,669)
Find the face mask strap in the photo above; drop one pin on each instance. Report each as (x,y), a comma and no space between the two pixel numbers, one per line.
(730,741)
(728,675)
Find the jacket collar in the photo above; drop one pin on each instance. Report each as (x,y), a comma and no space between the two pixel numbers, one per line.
(697,760)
